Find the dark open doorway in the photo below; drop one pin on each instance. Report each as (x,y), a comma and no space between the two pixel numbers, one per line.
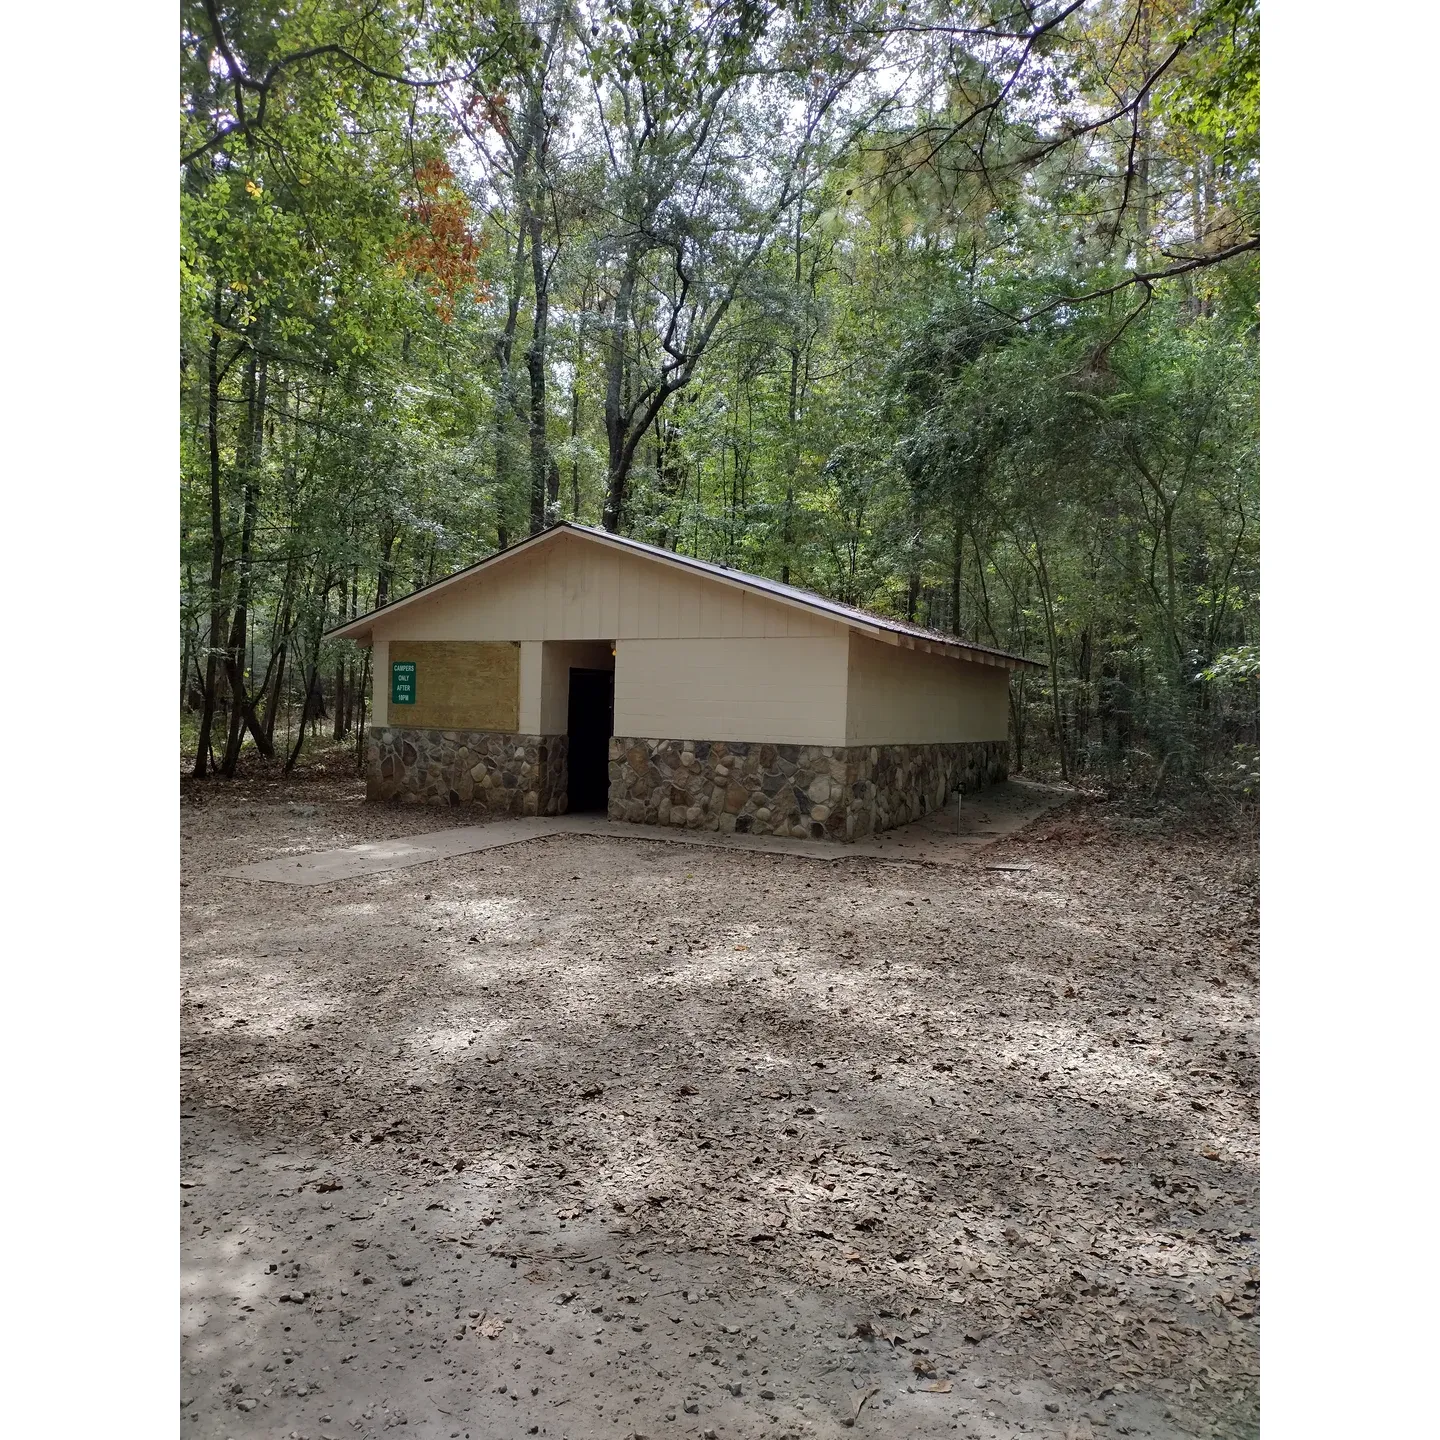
(592,718)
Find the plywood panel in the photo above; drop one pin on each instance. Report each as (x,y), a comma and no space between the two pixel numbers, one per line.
(784,691)
(459,685)
(899,696)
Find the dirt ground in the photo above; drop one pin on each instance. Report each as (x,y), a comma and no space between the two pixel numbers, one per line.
(589,1137)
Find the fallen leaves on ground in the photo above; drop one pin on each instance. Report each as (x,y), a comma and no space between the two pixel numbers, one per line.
(1026,1097)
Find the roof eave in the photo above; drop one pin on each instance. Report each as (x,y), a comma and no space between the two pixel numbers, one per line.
(956,650)
(359,630)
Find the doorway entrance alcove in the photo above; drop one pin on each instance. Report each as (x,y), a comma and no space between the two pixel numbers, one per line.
(591,723)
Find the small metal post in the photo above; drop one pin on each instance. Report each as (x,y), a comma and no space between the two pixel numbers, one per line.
(958,797)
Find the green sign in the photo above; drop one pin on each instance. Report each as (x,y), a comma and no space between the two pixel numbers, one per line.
(402,682)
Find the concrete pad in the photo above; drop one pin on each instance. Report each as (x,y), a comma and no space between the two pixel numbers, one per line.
(324,866)
(941,838)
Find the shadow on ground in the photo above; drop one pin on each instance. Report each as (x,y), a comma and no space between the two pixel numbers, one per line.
(1014,1110)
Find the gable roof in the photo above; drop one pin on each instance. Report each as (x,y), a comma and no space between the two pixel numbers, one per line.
(880,627)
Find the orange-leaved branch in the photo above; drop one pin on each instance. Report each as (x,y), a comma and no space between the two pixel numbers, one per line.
(439,246)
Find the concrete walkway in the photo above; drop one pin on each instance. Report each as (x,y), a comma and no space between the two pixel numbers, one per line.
(935,839)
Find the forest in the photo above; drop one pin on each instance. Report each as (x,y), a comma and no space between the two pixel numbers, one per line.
(946,310)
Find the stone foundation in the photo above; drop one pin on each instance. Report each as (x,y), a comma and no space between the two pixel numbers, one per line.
(499,774)
(809,791)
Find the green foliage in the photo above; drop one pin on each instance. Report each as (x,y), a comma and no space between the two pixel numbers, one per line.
(1217,96)
(1235,667)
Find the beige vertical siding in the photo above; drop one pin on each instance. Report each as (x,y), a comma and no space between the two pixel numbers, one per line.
(572,589)
(788,690)
(899,696)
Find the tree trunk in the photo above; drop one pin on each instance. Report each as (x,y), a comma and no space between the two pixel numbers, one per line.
(251,455)
(386,570)
(1017,720)
(535,362)
(615,411)
(362,693)
(1052,645)
(957,572)
(311,676)
(338,729)
(505,398)
(345,690)
(280,644)
(272,706)
(1140,174)
(575,425)
(186,650)
(217,539)
(787,521)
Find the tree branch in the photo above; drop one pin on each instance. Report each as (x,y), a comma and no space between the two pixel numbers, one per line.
(1147,278)
(242,81)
